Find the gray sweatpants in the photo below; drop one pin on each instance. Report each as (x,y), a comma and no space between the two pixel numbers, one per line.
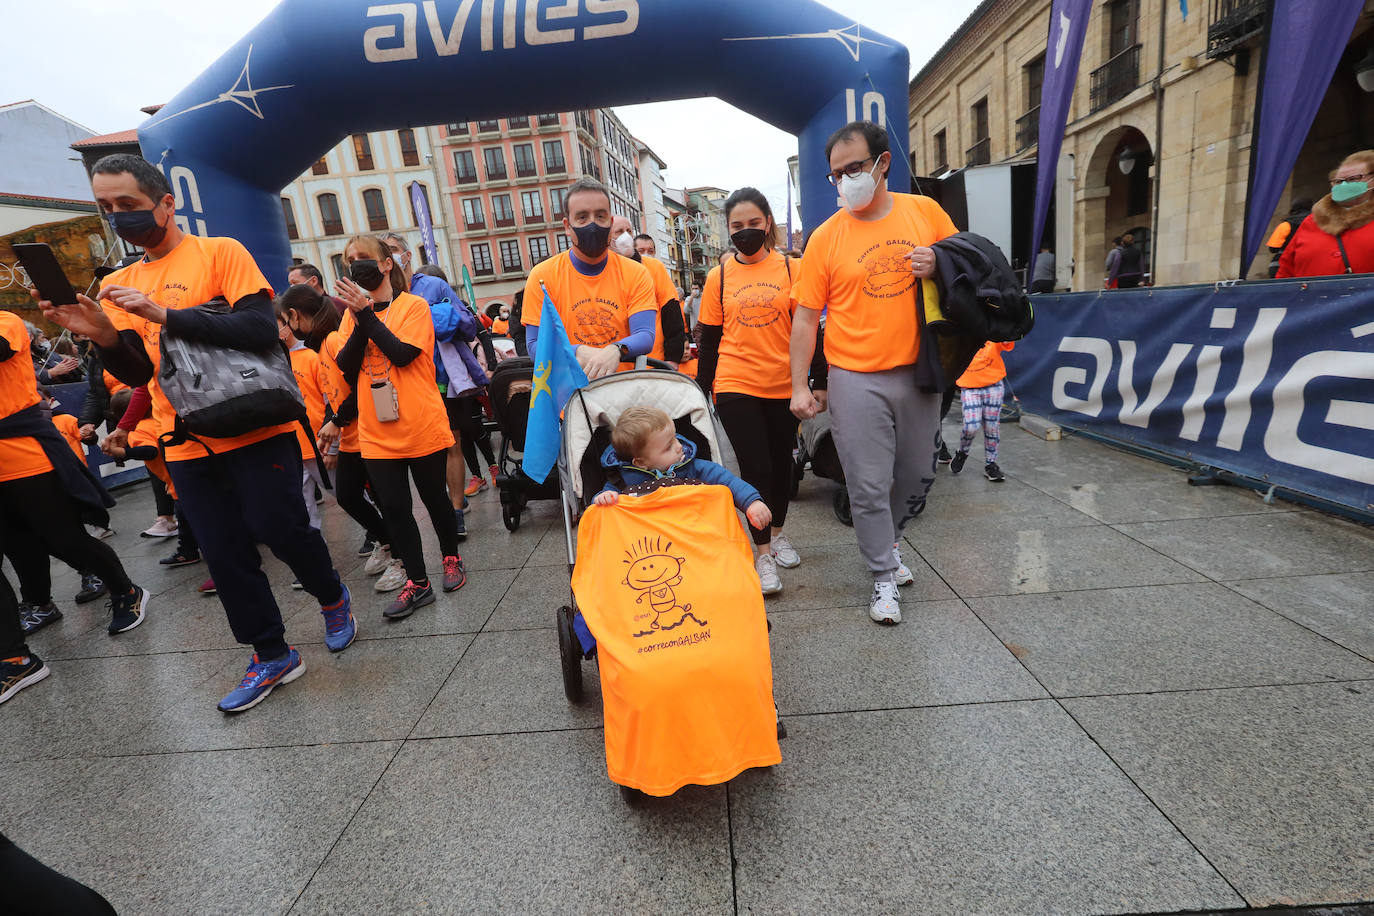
(887,434)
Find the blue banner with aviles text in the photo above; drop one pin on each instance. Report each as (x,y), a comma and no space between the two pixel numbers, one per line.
(1273,380)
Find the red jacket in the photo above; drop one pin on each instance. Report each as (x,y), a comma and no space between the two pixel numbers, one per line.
(1313,251)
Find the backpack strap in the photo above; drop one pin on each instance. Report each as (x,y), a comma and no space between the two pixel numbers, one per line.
(722,286)
(1344,257)
(319,459)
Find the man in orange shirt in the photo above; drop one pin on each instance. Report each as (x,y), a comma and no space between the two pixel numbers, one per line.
(248,490)
(606,301)
(670,337)
(865,265)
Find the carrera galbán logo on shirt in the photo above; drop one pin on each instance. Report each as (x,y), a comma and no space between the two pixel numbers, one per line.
(597,323)
(756,304)
(888,268)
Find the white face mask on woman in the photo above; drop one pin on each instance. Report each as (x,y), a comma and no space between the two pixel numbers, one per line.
(857,192)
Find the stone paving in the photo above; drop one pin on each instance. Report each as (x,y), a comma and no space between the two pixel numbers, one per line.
(1111,693)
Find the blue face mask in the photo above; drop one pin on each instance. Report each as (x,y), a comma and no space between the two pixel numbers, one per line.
(1348,190)
(137,227)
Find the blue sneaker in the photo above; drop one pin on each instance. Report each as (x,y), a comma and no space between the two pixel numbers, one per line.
(340,627)
(259,680)
(462,524)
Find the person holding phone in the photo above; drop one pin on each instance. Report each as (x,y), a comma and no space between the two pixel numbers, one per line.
(403,428)
(247,491)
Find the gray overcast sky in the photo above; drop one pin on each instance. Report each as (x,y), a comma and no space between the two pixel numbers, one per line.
(102,82)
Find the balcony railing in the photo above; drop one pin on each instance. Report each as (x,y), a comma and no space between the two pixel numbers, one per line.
(1232,23)
(496,174)
(1028,129)
(533,219)
(333,227)
(466,177)
(979,153)
(526,170)
(505,222)
(1115,79)
(472,224)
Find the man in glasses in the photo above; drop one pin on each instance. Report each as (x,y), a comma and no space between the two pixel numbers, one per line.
(866,266)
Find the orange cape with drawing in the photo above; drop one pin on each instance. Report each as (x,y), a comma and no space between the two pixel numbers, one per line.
(666,584)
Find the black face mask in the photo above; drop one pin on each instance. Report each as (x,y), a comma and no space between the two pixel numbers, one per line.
(365,273)
(137,227)
(748,241)
(592,239)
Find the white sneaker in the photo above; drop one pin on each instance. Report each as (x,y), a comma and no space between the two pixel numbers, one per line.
(883,606)
(902,575)
(379,561)
(393,578)
(162,528)
(99,533)
(767,569)
(785,553)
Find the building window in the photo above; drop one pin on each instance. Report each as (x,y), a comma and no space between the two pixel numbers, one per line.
(362,150)
(329,214)
(1122,18)
(539,249)
(465,167)
(289,212)
(481,259)
(518,123)
(510,255)
(409,154)
(532,203)
(941,153)
(495,161)
(501,210)
(561,240)
(376,209)
(549,120)
(321,167)
(1120,75)
(980,153)
(336,261)
(523,153)
(553,156)
(458,130)
(556,198)
(473,217)
(424,195)
(489,127)
(1028,125)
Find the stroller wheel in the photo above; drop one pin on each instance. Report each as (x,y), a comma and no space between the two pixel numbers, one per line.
(841,503)
(632,797)
(510,516)
(570,655)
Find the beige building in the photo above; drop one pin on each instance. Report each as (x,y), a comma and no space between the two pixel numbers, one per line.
(1159,129)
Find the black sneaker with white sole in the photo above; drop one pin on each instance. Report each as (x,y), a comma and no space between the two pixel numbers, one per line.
(34,617)
(18,673)
(957,465)
(945,457)
(179,558)
(368,546)
(127,610)
(992,472)
(92,587)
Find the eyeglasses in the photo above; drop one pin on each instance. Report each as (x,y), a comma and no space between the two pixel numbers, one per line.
(1363,177)
(853,170)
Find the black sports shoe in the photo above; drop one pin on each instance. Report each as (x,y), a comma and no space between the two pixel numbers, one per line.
(412,597)
(127,610)
(992,472)
(368,546)
(179,559)
(462,524)
(945,457)
(957,464)
(91,588)
(16,674)
(34,617)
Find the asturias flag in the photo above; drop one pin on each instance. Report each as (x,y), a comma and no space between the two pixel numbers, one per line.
(556,376)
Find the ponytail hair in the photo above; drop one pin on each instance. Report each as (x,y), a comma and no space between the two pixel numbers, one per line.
(305,300)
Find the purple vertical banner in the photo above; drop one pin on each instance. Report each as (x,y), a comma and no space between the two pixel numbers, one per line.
(1068,27)
(420,203)
(1302,47)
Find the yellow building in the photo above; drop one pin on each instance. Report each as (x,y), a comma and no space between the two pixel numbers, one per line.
(1159,130)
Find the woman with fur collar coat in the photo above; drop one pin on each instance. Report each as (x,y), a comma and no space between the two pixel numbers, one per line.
(1347,214)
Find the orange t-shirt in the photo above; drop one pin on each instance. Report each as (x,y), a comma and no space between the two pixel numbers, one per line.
(336,389)
(500,327)
(858,270)
(423,425)
(112,384)
(1280,235)
(595,310)
(193,273)
(67,425)
(305,363)
(756,318)
(987,367)
(666,584)
(21,456)
(664,292)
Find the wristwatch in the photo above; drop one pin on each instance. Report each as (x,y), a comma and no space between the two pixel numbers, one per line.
(625,356)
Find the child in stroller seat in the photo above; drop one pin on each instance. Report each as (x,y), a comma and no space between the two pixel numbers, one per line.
(645,446)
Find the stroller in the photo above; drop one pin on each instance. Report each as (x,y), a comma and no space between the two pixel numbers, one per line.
(816,448)
(509,392)
(588,418)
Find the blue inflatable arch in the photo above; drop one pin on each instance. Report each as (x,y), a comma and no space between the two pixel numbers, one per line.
(315,71)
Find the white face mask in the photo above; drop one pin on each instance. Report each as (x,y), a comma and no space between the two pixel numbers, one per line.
(625,244)
(858,192)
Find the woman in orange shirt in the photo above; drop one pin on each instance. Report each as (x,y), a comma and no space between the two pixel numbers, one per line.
(980,388)
(305,365)
(403,427)
(746,326)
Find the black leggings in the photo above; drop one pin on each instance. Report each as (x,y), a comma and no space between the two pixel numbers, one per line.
(763,433)
(391,484)
(166,505)
(29,886)
(465,416)
(350,482)
(39,519)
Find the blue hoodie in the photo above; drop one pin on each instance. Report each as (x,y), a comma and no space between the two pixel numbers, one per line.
(690,467)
